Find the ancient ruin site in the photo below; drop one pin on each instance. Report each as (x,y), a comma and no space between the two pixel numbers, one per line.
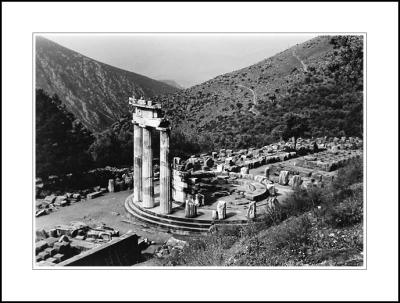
(186,197)
(262,166)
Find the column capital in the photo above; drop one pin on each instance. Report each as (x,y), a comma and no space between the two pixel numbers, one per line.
(163,129)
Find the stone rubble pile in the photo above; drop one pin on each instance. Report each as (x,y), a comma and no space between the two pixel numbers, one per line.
(53,202)
(173,247)
(241,160)
(65,241)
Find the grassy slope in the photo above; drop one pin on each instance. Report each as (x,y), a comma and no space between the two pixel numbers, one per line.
(331,235)
(210,101)
(218,111)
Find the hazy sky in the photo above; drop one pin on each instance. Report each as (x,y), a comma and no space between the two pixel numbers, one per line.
(188,59)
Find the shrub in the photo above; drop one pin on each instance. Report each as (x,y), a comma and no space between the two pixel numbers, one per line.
(205,251)
(302,200)
(347,212)
(294,234)
(281,245)
(349,174)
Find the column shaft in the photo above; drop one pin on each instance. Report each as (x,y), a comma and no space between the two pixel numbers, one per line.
(137,162)
(165,174)
(147,170)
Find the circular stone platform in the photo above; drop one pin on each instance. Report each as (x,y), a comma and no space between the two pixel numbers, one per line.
(236,208)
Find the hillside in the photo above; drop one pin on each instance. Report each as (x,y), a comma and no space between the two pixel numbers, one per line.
(172,83)
(61,143)
(96,93)
(315,227)
(321,80)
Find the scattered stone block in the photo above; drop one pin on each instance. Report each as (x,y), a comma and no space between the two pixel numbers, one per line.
(111,185)
(105,236)
(283,177)
(176,243)
(50,241)
(295,181)
(93,234)
(61,200)
(220,168)
(41,212)
(38,258)
(94,195)
(44,255)
(271,189)
(63,238)
(244,170)
(40,246)
(51,251)
(62,247)
(63,230)
(53,232)
(272,204)
(221,209)
(59,258)
(50,199)
(251,211)
(229,161)
(190,209)
(128,182)
(267,171)
(199,199)
(260,179)
(248,176)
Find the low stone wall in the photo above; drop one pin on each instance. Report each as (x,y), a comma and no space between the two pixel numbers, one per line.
(183,183)
(123,251)
(329,160)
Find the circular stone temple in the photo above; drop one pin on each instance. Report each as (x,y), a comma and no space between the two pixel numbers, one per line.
(192,197)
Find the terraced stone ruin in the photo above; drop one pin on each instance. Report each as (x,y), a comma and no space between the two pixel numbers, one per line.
(225,187)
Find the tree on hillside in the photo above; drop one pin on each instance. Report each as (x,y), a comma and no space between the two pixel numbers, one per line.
(61,141)
(295,125)
(114,146)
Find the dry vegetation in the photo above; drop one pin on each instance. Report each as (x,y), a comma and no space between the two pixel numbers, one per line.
(317,227)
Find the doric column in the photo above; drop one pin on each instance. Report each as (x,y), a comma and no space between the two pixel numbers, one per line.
(165,173)
(147,169)
(137,162)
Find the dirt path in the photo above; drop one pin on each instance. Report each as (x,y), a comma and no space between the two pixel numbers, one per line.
(301,61)
(252,109)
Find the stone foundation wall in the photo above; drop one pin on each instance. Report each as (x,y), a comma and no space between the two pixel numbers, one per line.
(123,251)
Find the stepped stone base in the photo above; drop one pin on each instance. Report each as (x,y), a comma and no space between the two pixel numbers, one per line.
(176,222)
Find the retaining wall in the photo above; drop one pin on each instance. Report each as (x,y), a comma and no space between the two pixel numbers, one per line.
(123,251)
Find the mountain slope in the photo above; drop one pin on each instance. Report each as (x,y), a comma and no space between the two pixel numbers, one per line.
(320,79)
(96,93)
(172,83)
